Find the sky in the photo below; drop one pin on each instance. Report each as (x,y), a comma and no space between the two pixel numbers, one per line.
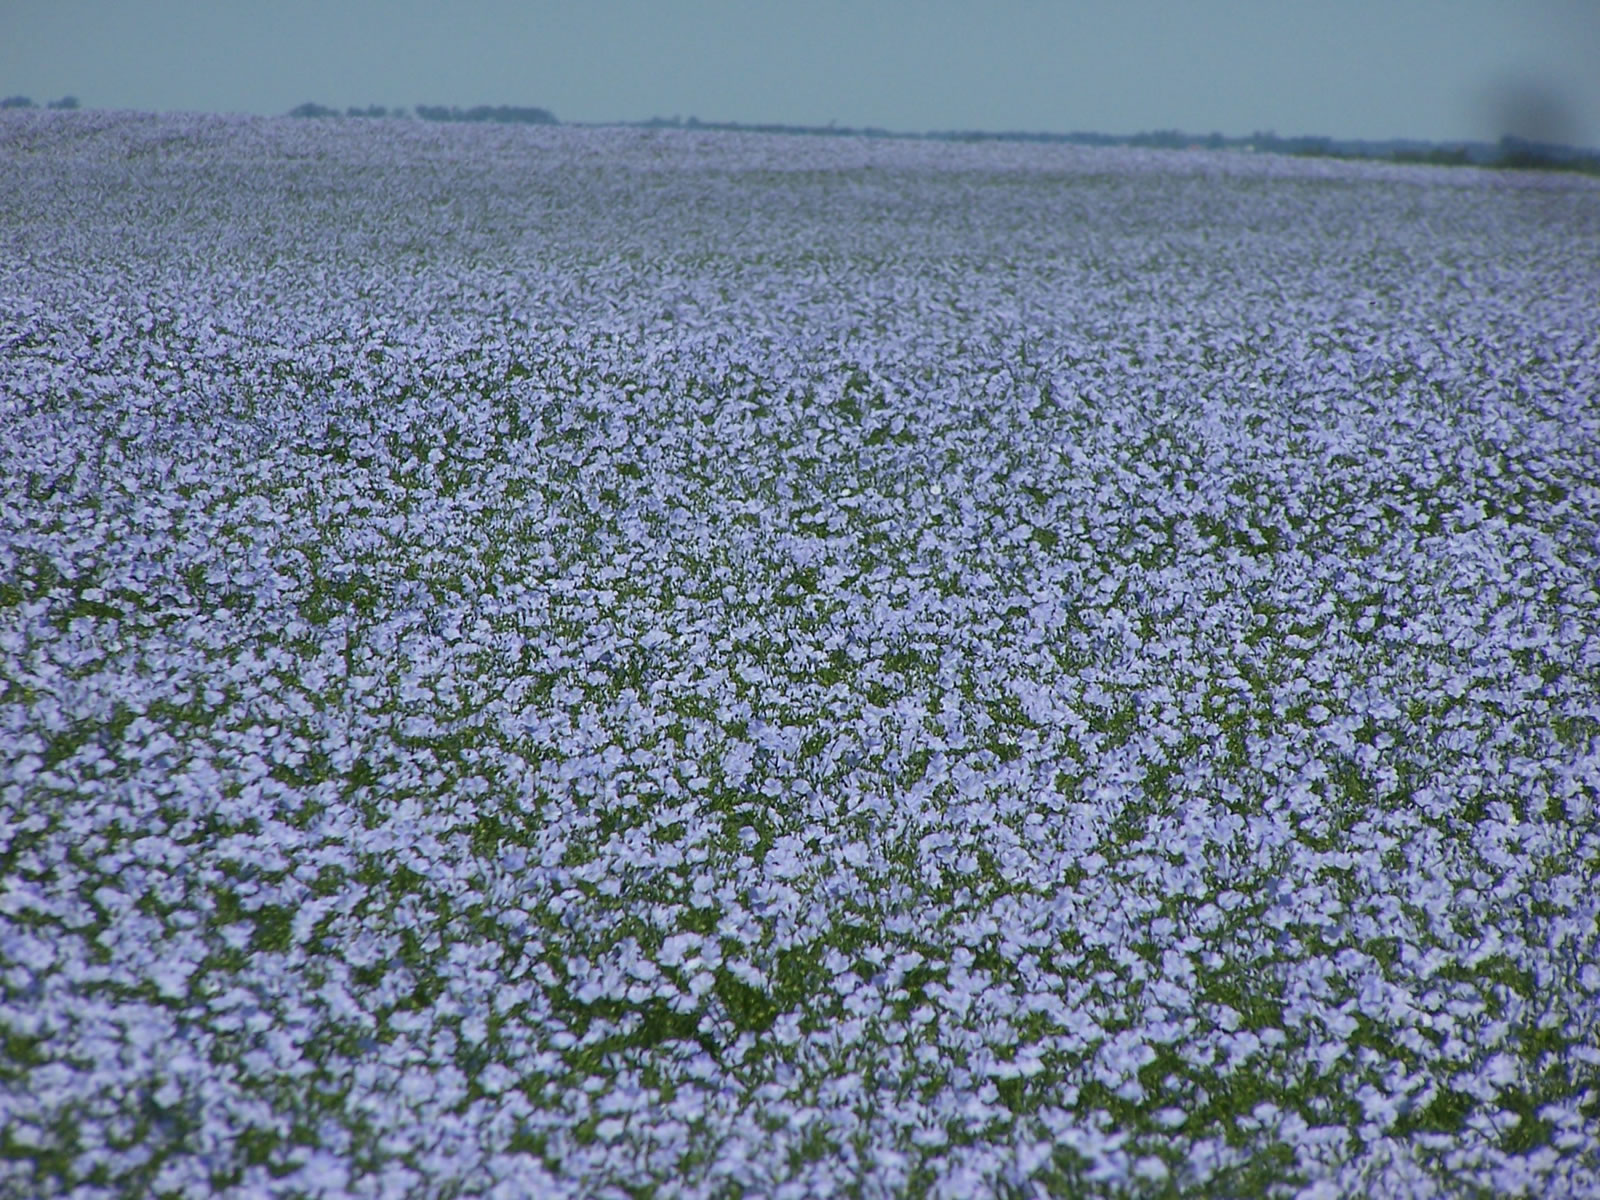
(1433,69)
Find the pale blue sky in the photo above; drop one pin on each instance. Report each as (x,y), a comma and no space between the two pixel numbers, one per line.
(1438,69)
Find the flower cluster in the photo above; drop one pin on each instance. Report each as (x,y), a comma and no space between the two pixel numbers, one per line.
(574,661)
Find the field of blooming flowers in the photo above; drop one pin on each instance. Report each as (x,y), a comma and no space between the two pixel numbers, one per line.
(575,662)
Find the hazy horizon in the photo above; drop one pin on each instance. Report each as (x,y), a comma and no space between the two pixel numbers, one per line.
(1364,69)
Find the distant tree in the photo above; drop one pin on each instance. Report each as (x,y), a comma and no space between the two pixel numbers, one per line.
(17,102)
(372,110)
(312,109)
(65,104)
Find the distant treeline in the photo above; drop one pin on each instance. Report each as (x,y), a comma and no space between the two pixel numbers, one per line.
(66,103)
(501,113)
(504,114)
(1509,151)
